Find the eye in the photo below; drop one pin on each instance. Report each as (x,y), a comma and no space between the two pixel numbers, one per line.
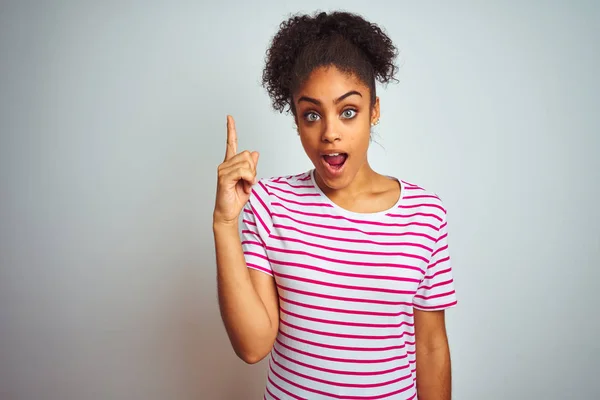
(349,113)
(311,116)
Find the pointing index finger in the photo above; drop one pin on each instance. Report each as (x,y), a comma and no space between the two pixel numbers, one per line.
(231,139)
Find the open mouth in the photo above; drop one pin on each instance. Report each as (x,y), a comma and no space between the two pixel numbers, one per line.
(335,161)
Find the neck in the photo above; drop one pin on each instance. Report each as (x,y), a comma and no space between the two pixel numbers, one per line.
(363,181)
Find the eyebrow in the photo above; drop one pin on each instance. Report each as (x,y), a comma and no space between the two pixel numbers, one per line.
(336,101)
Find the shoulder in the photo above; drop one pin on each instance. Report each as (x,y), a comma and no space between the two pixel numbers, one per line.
(269,194)
(277,188)
(291,184)
(422,200)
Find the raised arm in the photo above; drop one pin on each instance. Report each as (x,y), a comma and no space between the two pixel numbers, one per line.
(247,298)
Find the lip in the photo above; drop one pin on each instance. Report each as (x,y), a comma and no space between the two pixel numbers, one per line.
(329,170)
(335,151)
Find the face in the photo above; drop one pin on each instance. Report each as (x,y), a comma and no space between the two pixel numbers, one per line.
(334,116)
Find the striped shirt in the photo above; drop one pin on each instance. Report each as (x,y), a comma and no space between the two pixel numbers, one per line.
(348,284)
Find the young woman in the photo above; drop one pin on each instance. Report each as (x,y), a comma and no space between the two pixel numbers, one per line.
(342,274)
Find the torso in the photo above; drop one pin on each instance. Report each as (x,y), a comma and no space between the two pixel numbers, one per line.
(347,283)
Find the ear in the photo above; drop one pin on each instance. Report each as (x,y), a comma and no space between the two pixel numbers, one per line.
(375,112)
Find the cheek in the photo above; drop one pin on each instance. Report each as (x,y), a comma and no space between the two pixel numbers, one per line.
(360,140)
(309,144)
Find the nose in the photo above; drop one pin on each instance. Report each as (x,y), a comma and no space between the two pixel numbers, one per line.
(330,132)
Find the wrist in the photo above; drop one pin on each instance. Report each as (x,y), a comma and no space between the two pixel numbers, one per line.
(225,226)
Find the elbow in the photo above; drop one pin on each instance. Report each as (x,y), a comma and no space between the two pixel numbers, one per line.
(251,357)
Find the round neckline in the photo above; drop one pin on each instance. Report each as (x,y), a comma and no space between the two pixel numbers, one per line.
(359,215)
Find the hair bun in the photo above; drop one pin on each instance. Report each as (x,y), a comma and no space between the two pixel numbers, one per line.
(305,42)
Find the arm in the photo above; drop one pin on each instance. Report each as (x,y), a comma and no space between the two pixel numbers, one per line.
(433,356)
(247,298)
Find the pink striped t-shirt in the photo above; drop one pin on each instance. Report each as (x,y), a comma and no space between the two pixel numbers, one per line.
(348,283)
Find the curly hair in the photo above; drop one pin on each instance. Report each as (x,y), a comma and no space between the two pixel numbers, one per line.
(341,39)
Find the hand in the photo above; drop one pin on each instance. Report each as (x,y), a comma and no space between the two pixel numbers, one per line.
(236,175)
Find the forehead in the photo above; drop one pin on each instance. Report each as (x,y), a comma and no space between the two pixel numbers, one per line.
(330,83)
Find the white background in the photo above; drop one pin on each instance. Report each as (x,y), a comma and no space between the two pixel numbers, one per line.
(112,123)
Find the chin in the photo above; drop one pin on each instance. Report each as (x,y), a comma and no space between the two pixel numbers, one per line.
(338,182)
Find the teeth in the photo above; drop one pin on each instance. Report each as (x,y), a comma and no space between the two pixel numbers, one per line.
(333,154)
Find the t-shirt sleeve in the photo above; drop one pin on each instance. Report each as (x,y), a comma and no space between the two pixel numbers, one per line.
(436,290)
(256,228)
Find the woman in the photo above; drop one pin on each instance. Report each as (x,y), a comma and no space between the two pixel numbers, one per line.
(342,274)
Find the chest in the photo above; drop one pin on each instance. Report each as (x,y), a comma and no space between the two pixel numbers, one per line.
(332,256)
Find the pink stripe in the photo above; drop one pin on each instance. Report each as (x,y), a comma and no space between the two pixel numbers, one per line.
(342,360)
(439,262)
(444,271)
(338,261)
(303,204)
(341,384)
(350,229)
(358,300)
(413,188)
(336,285)
(306,178)
(260,200)
(444,236)
(272,395)
(258,267)
(251,242)
(246,221)
(421,196)
(439,250)
(345,323)
(342,311)
(251,253)
(344,335)
(249,232)
(348,274)
(336,395)
(407,183)
(438,307)
(362,222)
(260,219)
(296,186)
(262,185)
(436,285)
(423,205)
(350,251)
(334,347)
(341,372)
(356,221)
(363,241)
(435,296)
(418,214)
(282,389)
(294,193)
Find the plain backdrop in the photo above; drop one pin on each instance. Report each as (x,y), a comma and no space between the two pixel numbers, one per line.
(112,122)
